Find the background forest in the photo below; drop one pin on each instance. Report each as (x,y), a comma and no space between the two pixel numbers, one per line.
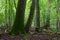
(46,17)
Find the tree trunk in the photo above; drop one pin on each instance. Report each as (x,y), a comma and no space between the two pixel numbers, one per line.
(18,26)
(48,16)
(58,13)
(37,16)
(29,21)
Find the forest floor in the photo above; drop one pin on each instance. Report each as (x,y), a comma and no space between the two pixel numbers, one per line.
(7,36)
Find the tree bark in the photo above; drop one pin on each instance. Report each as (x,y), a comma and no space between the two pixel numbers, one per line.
(29,21)
(18,26)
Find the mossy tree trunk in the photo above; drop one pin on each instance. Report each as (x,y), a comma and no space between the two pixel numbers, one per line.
(18,26)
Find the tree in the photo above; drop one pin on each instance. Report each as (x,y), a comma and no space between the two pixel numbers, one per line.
(18,26)
(37,15)
(48,15)
(29,21)
(58,11)
(9,13)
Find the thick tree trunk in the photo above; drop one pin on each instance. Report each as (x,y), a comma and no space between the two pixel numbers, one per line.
(18,26)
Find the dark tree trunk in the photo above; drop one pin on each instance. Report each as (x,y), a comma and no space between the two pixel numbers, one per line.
(18,26)
(29,21)
(37,16)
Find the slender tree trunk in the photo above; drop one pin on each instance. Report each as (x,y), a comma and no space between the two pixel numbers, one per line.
(29,21)
(9,13)
(58,11)
(37,16)
(6,12)
(44,17)
(48,16)
(18,26)
(6,17)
